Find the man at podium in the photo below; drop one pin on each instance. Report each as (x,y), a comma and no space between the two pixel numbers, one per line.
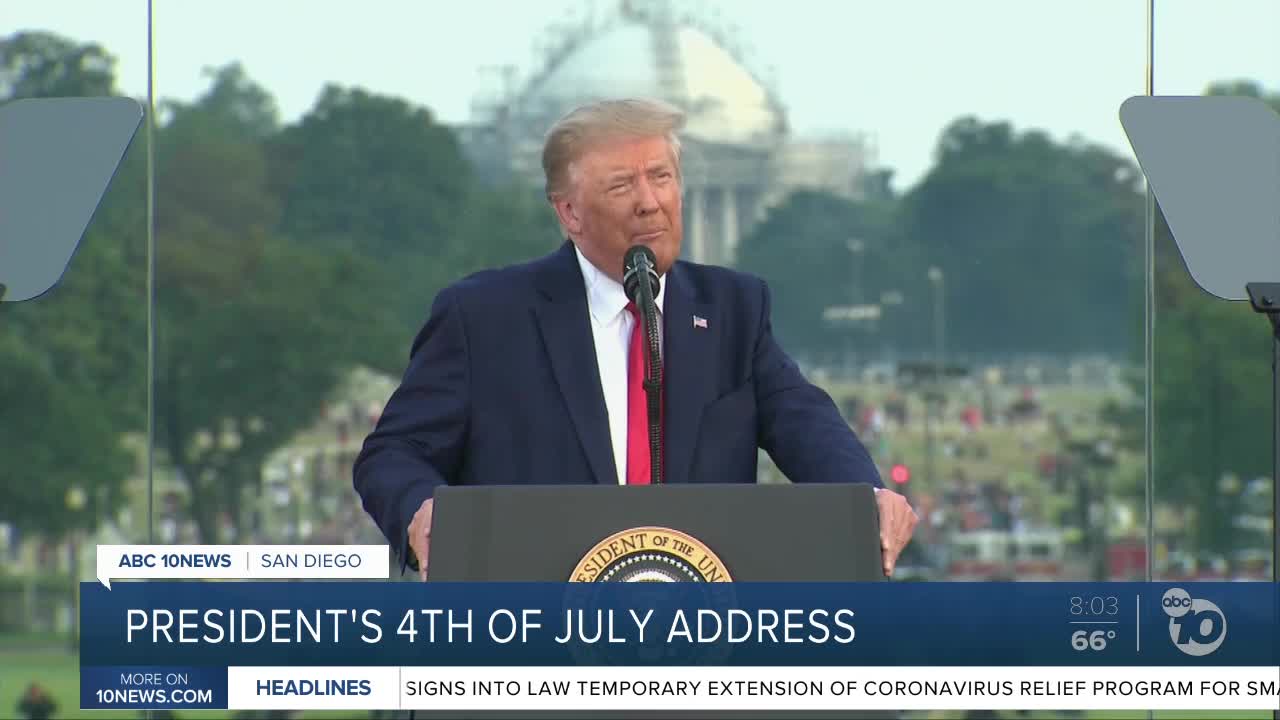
(534,373)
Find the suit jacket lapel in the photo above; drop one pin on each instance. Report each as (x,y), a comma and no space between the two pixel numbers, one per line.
(566,333)
(688,371)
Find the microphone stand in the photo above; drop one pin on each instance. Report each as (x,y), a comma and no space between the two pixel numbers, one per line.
(1264,297)
(652,378)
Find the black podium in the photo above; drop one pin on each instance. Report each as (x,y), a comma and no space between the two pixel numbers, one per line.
(563,532)
(757,533)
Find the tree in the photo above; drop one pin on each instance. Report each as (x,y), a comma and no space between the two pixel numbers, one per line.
(500,226)
(370,172)
(1039,241)
(41,64)
(803,250)
(255,329)
(246,374)
(233,103)
(1212,405)
(380,177)
(53,441)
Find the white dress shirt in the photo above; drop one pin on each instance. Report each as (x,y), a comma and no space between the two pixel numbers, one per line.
(611,329)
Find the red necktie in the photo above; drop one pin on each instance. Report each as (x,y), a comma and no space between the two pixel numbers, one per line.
(638,472)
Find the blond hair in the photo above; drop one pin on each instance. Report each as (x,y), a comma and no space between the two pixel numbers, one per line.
(606,119)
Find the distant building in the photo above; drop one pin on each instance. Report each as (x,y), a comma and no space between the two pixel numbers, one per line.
(739,157)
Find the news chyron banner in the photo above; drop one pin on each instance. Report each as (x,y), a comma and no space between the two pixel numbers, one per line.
(339,636)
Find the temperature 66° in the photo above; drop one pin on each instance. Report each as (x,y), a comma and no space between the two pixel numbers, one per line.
(1091,640)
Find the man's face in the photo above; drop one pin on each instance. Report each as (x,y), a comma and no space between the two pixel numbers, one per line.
(624,192)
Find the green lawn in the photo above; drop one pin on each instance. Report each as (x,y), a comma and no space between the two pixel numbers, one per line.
(57,670)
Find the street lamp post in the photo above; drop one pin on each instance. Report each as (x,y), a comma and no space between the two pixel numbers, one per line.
(76,500)
(1090,459)
(856,246)
(299,467)
(935,279)
(933,394)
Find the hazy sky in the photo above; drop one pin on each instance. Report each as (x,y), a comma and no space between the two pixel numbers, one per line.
(899,70)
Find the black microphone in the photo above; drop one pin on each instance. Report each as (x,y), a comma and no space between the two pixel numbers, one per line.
(640,282)
(638,263)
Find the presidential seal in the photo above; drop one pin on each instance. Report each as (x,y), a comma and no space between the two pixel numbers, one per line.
(650,554)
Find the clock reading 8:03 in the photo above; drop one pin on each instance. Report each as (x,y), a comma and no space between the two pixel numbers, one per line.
(1095,605)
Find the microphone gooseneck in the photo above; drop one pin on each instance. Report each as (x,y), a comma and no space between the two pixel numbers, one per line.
(638,263)
(640,282)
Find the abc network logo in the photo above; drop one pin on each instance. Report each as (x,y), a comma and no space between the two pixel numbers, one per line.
(1197,627)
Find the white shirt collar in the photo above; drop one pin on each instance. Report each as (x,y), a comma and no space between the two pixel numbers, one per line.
(605,296)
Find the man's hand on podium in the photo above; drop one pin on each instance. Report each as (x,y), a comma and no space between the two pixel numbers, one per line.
(897,523)
(420,536)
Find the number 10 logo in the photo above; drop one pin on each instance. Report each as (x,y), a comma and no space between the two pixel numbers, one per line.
(1197,627)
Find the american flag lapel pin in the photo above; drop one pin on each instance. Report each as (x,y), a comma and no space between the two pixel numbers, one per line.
(699,322)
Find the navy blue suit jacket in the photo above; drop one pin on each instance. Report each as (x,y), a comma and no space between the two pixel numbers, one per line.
(503,387)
